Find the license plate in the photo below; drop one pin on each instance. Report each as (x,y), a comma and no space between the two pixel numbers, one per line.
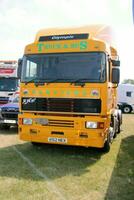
(59,140)
(9,121)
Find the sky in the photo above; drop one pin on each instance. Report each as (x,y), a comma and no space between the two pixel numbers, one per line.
(21,19)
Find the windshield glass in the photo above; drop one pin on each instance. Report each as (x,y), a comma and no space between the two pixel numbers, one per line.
(68,67)
(8,84)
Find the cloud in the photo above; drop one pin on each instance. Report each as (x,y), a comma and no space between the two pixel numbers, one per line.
(124,42)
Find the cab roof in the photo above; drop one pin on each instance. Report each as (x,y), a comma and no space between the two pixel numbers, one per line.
(99,32)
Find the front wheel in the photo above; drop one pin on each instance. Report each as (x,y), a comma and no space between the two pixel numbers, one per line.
(106,147)
(5,127)
(119,127)
(127,109)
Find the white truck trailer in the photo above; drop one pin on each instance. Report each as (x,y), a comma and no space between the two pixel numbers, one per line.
(8,80)
(126,97)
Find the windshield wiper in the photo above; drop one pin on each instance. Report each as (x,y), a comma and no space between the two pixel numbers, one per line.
(58,79)
(68,80)
(43,80)
(76,80)
(84,80)
(79,82)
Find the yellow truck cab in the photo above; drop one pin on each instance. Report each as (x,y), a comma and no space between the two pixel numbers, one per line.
(69,79)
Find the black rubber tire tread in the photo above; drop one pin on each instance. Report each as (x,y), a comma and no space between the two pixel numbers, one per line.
(106,147)
(127,106)
(5,127)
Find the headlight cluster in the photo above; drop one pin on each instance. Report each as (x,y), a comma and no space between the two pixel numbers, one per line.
(95,125)
(91,124)
(27,121)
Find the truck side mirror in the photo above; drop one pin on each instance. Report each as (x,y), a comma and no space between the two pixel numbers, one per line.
(115,75)
(115,63)
(19,68)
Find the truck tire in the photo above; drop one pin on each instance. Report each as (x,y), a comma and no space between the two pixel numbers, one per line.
(5,127)
(106,147)
(119,129)
(127,109)
(114,125)
(119,121)
(119,126)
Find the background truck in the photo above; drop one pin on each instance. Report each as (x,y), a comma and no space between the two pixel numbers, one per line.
(8,80)
(68,91)
(9,113)
(126,97)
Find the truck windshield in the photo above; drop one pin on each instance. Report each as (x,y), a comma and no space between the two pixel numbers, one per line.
(67,67)
(8,84)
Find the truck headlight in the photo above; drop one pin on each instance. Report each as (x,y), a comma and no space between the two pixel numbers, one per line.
(91,125)
(27,121)
(94,125)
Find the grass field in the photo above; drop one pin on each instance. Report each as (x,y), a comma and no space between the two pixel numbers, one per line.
(51,172)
